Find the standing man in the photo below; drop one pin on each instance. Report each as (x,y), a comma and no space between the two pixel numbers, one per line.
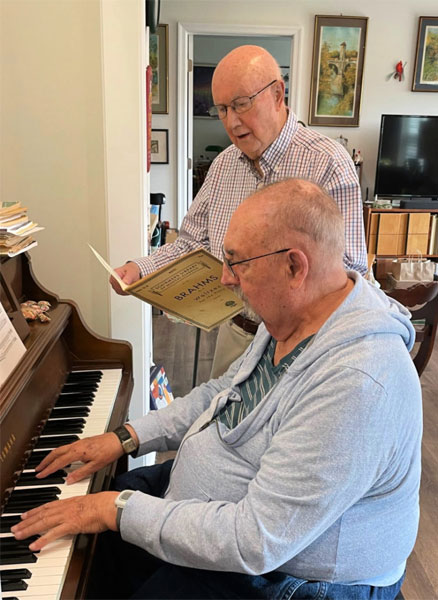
(268,145)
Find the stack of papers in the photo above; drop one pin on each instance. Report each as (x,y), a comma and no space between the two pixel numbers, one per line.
(16,230)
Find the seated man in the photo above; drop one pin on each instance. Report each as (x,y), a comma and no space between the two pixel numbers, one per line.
(298,470)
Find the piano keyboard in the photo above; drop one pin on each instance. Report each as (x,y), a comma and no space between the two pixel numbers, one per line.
(27,575)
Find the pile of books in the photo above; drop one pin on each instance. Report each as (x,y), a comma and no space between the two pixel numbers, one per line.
(16,230)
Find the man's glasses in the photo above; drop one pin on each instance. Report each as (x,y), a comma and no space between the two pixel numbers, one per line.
(230,265)
(239,105)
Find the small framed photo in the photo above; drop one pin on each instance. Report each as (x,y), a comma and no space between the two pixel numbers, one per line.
(426,61)
(337,70)
(159,146)
(159,61)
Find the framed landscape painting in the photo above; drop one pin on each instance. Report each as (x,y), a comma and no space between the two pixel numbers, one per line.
(337,70)
(426,59)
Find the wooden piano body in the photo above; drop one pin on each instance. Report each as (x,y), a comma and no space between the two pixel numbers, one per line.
(52,350)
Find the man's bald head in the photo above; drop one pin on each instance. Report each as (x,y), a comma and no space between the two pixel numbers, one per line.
(251,65)
(295,212)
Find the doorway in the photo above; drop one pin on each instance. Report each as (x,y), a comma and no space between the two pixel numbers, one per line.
(196,49)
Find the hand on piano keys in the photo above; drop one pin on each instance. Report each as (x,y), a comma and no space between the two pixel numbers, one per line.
(94,452)
(93,513)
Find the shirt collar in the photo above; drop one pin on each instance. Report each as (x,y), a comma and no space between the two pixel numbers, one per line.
(274,153)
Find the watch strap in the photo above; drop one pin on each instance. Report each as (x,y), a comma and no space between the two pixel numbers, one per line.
(120,502)
(129,445)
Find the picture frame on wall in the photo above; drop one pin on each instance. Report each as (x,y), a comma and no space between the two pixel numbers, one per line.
(159,61)
(337,70)
(160,146)
(425,77)
(202,97)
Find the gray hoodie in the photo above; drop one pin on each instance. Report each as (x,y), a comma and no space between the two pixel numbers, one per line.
(320,480)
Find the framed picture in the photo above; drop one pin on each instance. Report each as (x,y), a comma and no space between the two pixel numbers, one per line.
(426,58)
(158,59)
(337,70)
(159,146)
(202,97)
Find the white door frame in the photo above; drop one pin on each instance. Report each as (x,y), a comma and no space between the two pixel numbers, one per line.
(186,31)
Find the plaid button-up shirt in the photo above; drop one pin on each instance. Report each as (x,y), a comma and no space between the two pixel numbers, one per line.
(232,177)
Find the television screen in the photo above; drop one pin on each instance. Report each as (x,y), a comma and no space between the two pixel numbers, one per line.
(407,160)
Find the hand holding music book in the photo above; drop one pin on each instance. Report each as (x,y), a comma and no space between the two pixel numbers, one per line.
(188,288)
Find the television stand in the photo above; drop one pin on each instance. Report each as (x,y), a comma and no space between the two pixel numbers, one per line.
(420,203)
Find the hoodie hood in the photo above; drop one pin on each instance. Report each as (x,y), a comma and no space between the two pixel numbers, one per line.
(352,320)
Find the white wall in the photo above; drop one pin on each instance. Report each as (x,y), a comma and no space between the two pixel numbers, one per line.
(52,142)
(392,36)
(73,150)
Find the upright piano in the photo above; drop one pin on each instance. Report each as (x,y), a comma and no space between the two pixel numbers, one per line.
(70,383)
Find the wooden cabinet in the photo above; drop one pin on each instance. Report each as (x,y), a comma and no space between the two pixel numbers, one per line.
(394,232)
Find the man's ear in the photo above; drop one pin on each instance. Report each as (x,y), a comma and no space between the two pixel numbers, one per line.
(279,92)
(298,265)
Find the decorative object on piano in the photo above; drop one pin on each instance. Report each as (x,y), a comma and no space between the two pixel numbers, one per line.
(337,70)
(398,72)
(35,311)
(16,230)
(160,391)
(426,64)
(188,288)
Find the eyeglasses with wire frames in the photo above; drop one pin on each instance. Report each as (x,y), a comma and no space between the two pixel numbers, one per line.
(239,105)
(230,264)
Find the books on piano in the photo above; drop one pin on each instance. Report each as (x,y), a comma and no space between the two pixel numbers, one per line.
(188,288)
(16,230)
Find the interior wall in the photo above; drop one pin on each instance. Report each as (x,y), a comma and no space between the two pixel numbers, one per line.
(52,142)
(392,36)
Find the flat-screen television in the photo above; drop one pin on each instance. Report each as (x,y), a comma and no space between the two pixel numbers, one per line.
(407,160)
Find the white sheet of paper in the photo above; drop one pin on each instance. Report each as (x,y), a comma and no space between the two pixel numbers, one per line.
(11,346)
(108,268)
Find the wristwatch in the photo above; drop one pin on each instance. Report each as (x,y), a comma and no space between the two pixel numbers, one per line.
(129,445)
(120,502)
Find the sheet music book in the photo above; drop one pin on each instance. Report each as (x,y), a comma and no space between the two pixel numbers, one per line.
(188,288)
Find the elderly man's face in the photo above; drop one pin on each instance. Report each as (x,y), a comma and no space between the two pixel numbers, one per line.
(255,130)
(261,283)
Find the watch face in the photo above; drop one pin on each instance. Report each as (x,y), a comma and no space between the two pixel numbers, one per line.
(152,14)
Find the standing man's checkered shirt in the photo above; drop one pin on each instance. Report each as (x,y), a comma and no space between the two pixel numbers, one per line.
(232,177)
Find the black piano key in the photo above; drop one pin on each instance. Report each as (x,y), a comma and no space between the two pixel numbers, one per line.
(9,543)
(80,387)
(56,441)
(81,375)
(14,574)
(14,586)
(41,493)
(35,458)
(29,478)
(10,598)
(69,412)
(67,400)
(23,559)
(62,426)
(7,522)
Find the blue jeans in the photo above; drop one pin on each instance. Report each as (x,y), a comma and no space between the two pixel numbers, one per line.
(122,570)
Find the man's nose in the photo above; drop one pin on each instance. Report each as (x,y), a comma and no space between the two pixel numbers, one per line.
(232,119)
(227,278)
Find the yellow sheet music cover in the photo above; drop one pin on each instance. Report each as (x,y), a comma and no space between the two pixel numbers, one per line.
(188,288)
